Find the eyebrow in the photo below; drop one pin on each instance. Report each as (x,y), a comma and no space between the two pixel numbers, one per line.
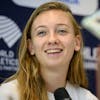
(63,25)
(40,26)
(59,24)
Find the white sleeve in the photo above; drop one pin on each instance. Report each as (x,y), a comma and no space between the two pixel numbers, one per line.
(86,95)
(8,91)
(90,96)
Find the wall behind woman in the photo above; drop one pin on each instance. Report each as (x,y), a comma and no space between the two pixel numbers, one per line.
(13,17)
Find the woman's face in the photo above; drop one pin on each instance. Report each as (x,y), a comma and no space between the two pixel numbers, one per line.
(53,40)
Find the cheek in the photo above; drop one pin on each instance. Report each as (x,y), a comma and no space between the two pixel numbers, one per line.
(70,46)
(69,42)
(37,45)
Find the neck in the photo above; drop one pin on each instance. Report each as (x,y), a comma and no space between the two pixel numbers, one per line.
(54,79)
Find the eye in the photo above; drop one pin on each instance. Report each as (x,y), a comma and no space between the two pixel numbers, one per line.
(62,31)
(41,33)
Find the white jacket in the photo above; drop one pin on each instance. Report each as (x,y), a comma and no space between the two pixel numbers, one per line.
(9,91)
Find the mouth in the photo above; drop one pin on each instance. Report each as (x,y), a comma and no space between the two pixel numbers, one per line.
(53,51)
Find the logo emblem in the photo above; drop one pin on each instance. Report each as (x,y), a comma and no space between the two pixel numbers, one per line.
(9,31)
(92,24)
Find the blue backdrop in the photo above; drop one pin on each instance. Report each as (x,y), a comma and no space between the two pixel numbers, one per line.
(13,17)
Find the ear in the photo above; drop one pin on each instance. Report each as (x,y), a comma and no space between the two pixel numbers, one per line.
(30,46)
(77,43)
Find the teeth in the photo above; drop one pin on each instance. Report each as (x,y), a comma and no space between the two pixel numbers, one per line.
(53,51)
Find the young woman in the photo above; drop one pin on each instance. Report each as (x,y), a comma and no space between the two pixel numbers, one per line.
(49,57)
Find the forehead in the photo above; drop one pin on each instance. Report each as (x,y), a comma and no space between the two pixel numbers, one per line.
(57,16)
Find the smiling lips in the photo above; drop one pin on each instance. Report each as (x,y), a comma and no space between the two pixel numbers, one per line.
(53,51)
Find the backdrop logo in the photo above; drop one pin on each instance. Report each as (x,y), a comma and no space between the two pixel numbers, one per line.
(92,24)
(78,7)
(89,55)
(9,31)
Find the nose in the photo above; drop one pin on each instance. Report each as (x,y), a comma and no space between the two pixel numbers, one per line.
(53,39)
